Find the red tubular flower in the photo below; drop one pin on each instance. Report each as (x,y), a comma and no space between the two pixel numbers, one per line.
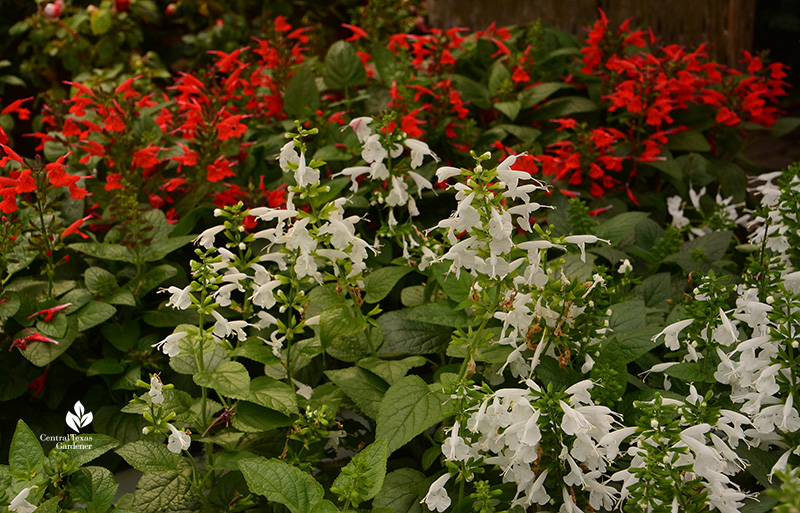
(146,158)
(358,33)
(220,169)
(189,158)
(113,182)
(520,75)
(230,126)
(17,107)
(281,25)
(37,385)
(127,90)
(60,178)
(49,312)
(73,229)
(22,343)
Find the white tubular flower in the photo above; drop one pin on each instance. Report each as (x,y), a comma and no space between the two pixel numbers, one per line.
(267,214)
(305,265)
(169,346)
(353,173)
(298,237)
(674,208)
(421,181)
(305,175)
(378,171)
(574,421)
(625,267)
(288,154)
(155,390)
(445,172)
(437,498)
(276,343)
(181,298)
(361,127)
(20,504)
(373,150)
(399,193)
(178,440)
(264,296)
(206,239)
(582,240)
(418,151)
(265,320)
(454,447)
(671,333)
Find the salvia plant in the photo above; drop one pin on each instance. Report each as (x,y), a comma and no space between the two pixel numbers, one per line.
(488,272)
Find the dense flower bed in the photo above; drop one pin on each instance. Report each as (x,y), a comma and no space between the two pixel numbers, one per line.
(485,272)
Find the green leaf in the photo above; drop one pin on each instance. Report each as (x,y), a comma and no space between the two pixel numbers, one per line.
(256,350)
(338,321)
(385,62)
(282,483)
(152,279)
(25,454)
(619,227)
(122,336)
(43,353)
(253,418)
(362,386)
(105,251)
(563,107)
(343,67)
(94,313)
(146,456)
(369,483)
(99,281)
(510,109)
(472,91)
(627,316)
(627,347)
(688,140)
(378,284)
(9,304)
(498,74)
(457,288)
(104,367)
(784,126)
(101,21)
(158,249)
(95,487)
(121,297)
(657,290)
(169,318)
(402,337)
(391,371)
(55,328)
(273,394)
(442,313)
(162,491)
(401,491)
(101,444)
(692,371)
(540,92)
(125,428)
(185,363)
(301,97)
(324,506)
(408,408)
(229,379)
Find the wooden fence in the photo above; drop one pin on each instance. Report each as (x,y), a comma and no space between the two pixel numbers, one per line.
(726,24)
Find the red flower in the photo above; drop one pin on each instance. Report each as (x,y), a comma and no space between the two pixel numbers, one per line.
(189,158)
(17,107)
(281,25)
(113,182)
(60,178)
(726,117)
(22,343)
(127,88)
(73,229)
(146,158)
(230,126)
(520,75)
(358,33)
(49,312)
(220,169)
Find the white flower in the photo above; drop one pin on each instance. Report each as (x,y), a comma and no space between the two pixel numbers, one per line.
(373,151)
(437,498)
(443,173)
(675,210)
(263,295)
(421,181)
(305,175)
(224,327)
(181,298)
(353,173)
(418,151)
(288,155)
(20,503)
(155,390)
(626,267)
(671,333)
(206,239)
(305,265)
(582,240)
(454,447)
(178,440)
(169,346)
(361,128)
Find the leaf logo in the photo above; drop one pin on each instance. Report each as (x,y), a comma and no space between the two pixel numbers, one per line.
(78,419)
